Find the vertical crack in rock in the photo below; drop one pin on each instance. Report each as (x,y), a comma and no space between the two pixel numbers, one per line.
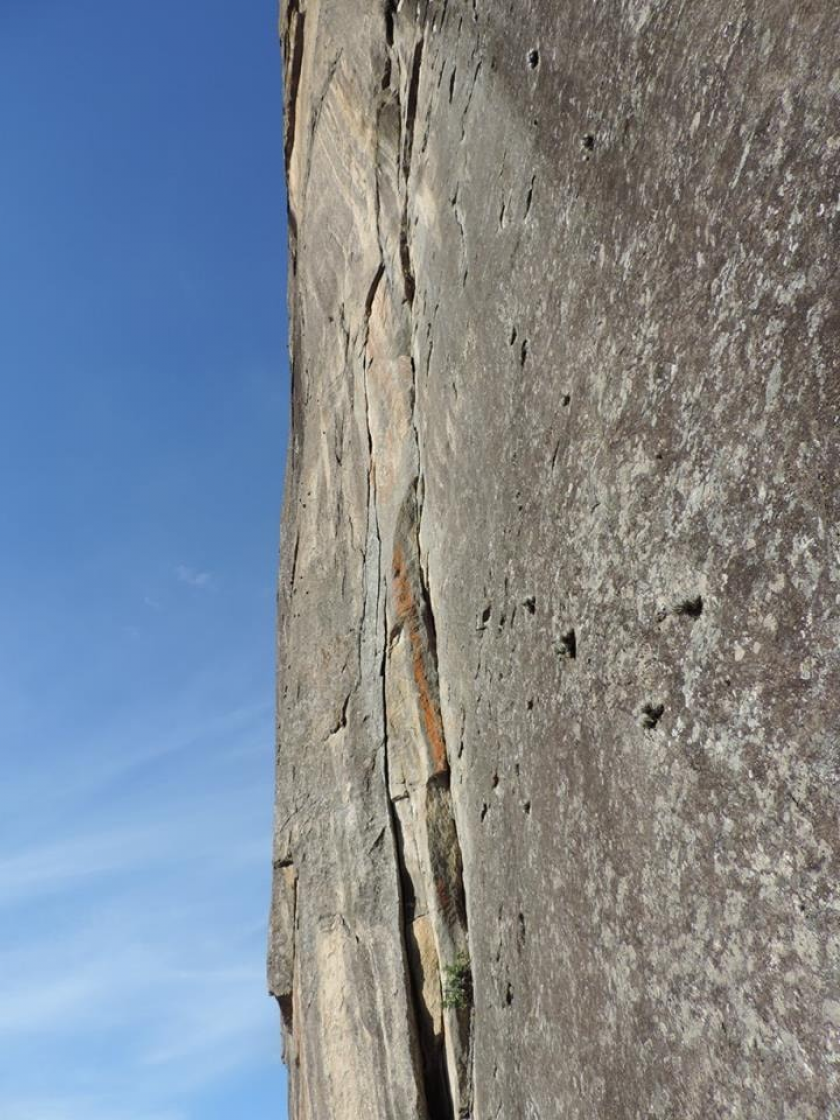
(430,1058)
(431,1084)
(409,282)
(433,918)
(411,106)
(390,12)
(294,65)
(282,964)
(441,866)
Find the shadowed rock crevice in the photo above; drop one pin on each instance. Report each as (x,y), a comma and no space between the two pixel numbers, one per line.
(439,873)
(295,43)
(432,1050)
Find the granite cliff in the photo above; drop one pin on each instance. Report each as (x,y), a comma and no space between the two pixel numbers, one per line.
(558,700)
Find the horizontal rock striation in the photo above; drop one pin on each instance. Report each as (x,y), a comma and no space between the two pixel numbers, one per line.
(558,767)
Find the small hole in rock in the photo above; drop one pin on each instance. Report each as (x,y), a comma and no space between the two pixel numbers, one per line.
(567,646)
(691,608)
(651,715)
(527,807)
(531,704)
(509,995)
(523,353)
(565,400)
(588,142)
(533,58)
(530,604)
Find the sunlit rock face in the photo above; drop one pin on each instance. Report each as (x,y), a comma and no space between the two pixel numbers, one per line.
(558,697)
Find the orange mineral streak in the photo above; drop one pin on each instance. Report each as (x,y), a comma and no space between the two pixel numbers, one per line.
(408,615)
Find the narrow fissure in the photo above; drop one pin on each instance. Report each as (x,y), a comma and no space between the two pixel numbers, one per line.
(432,1046)
(415,617)
(430,1060)
(428,1057)
(448,869)
(409,284)
(440,930)
(297,21)
(411,106)
(371,296)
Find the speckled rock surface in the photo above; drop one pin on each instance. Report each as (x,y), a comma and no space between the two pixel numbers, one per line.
(560,567)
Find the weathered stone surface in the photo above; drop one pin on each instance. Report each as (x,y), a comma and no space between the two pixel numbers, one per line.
(560,575)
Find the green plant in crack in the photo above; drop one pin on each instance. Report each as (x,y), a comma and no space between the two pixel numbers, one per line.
(457,984)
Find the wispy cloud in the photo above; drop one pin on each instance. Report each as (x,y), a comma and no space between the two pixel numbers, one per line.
(78,1107)
(218,824)
(54,867)
(241,727)
(157,967)
(134,884)
(121,975)
(118,747)
(193,577)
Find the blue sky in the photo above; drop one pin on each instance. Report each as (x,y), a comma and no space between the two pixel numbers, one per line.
(142,443)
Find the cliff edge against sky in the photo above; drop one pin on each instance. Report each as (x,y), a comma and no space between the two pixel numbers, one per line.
(558,699)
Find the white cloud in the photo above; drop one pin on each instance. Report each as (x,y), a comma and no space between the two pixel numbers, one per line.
(133,908)
(76,1107)
(217,824)
(164,972)
(54,867)
(28,1007)
(193,577)
(116,749)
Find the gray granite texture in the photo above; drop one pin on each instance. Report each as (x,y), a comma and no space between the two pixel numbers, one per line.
(558,687)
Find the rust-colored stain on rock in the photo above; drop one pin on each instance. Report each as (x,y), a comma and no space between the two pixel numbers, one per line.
(408,615)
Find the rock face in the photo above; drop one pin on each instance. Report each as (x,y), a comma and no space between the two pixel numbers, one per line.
(560,570)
